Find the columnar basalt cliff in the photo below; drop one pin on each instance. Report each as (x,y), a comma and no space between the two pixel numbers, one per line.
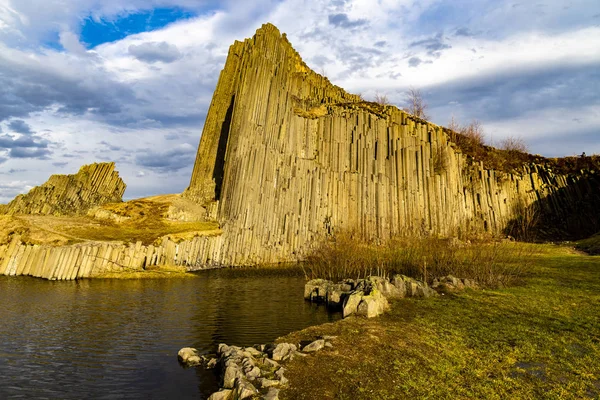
(93,185)
(93,259)
(287,158)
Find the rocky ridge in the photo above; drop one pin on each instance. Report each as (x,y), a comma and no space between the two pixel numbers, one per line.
(68,195)
(369,297)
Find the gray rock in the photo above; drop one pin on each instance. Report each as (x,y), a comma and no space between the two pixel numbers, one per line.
(351,303)
(282,351)
(272,394)
(254,352)
(253,373)
(243,389)
(266,383)
(260,347)
(316,289)
(385,287)
(335,298)
(212,363)
(400,284)
(373,305)
(223,394)
(232,372)
(314,346)
(280,377)
(189,356)
(270,363)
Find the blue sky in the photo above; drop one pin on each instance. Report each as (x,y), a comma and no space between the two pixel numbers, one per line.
(96,31)
(131,80)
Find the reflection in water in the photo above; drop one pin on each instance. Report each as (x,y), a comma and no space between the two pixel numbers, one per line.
(119,339)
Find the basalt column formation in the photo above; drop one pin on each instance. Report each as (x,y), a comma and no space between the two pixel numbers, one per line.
(288,158)
(93,185)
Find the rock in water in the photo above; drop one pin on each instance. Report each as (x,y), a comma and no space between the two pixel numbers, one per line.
(189,357)
(93,185)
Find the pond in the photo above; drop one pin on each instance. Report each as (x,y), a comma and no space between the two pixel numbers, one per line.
(113,339)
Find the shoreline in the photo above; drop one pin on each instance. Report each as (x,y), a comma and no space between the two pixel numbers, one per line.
(524,341)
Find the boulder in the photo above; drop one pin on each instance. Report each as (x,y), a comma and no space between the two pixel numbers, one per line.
(243,389)
(266,383)
(373,305)
(314,346)
(385,287)
(335,298)
(231,374)
(351,303)
(189,357)
(280,377)
(316,289)
(253,373)
(223,394)
(272,394)
(399,283)
(281,351)
(271,363)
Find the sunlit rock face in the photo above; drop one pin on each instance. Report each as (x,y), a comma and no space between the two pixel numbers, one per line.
(93,185)
(286,158)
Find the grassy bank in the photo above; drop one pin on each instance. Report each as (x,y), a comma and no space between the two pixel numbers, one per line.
(539,339)
(590,245)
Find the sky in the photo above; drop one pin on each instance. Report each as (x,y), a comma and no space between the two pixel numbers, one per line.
(131,81)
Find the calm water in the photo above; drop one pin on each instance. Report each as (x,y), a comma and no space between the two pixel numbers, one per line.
(116,339)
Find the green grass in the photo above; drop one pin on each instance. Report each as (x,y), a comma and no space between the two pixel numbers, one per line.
(537,340)
(590,245)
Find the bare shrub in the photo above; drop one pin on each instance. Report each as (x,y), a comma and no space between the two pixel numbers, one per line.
(469,138)
(416,104)
(514,144)
(491,264)
(381,99)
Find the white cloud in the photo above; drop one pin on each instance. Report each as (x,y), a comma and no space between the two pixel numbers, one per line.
(145,96)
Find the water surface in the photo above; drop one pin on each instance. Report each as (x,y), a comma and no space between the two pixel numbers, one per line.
(116,339)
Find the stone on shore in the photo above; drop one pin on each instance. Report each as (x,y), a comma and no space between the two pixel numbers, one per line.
(223,394)
(314,346)
(281,351)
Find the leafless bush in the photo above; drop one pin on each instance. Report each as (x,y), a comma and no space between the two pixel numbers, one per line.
(381,99)
(514,145)
(416,105)
(491,264)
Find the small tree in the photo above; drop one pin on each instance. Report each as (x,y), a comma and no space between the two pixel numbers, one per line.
(416,105)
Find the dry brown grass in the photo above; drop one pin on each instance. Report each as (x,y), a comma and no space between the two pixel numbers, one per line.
(492,264)
(140,220)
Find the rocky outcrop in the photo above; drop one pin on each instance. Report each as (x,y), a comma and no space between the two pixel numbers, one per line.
(251,372)
(287,158)
(93,185)
(365,297)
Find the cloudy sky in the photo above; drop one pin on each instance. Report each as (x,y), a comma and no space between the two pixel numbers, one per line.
(131,80)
